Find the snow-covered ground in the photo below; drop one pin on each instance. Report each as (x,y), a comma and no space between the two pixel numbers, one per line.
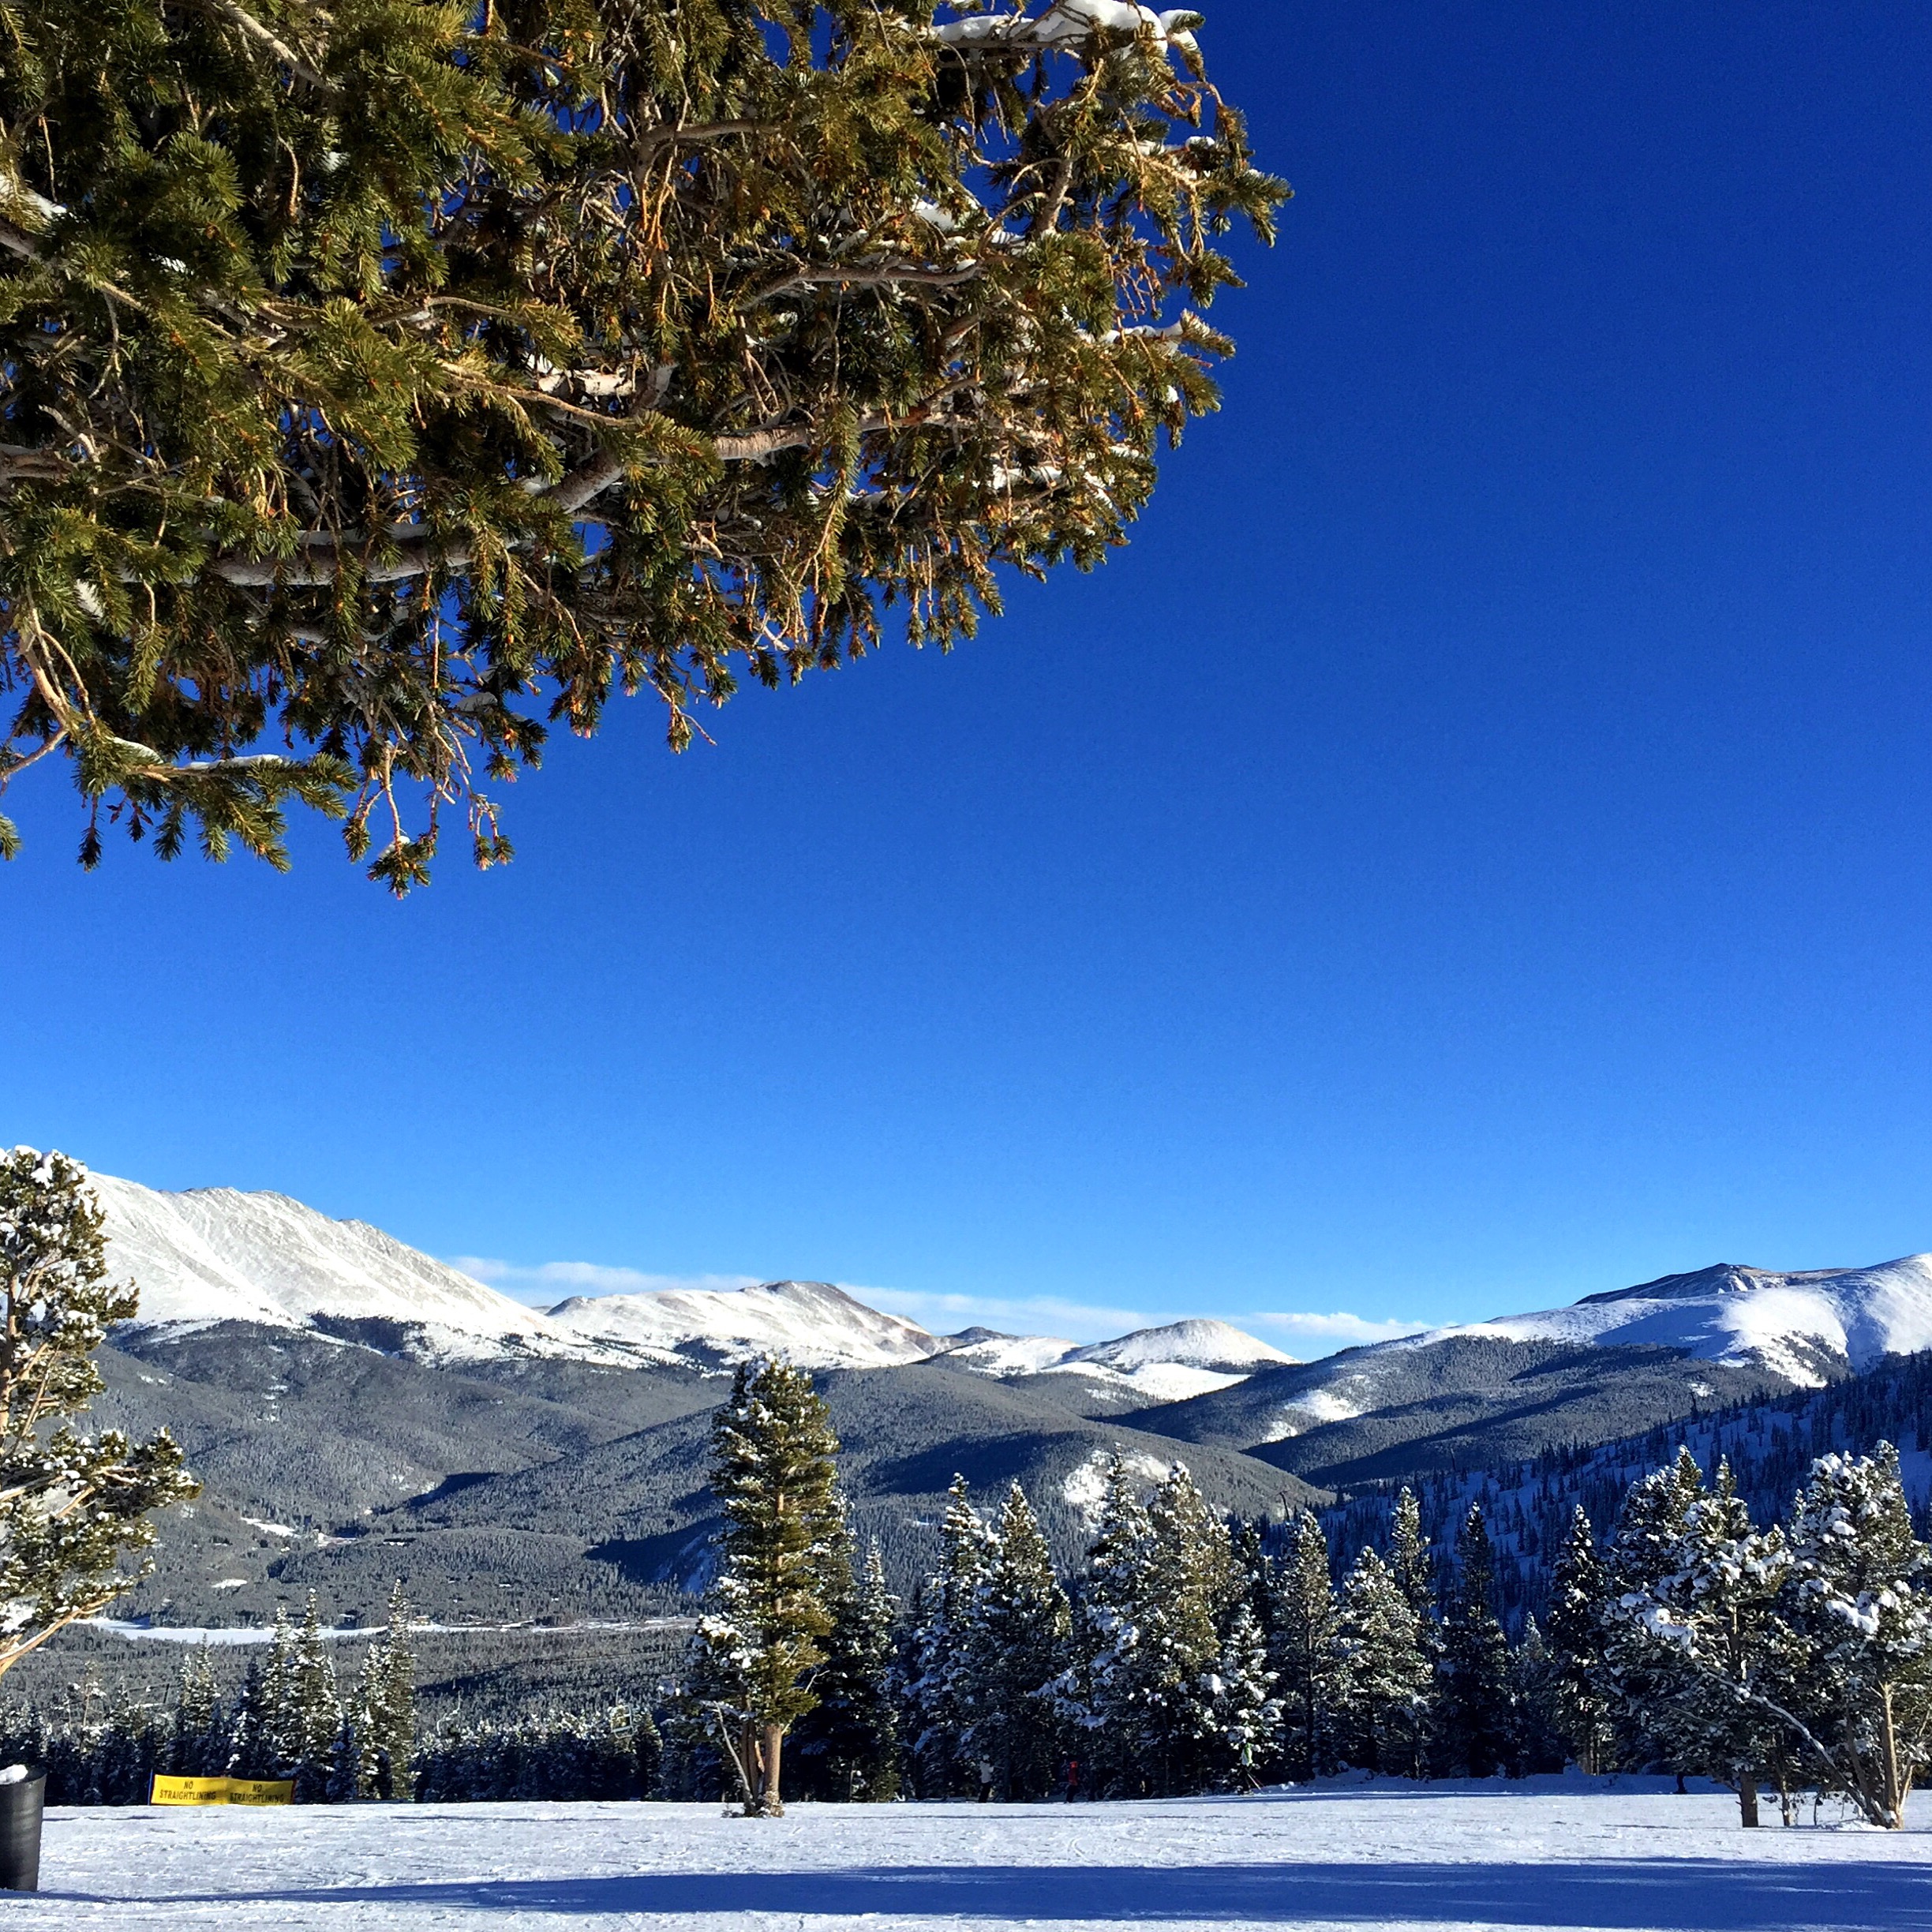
(1548,1854)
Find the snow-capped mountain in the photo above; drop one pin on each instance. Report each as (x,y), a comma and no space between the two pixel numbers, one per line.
(814,1323)
(1800,1325)
(217,1254)
(1164,1364)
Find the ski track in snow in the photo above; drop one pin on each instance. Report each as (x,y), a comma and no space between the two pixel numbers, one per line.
(1548,1854)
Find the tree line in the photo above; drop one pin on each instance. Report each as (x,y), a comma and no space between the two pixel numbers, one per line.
(1194,1652)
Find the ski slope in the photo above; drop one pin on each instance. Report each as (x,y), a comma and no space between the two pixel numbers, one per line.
(1555,1854)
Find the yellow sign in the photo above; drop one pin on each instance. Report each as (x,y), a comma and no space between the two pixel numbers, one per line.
(209,1791)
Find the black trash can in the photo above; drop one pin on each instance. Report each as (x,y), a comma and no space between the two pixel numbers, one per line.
(22,1804)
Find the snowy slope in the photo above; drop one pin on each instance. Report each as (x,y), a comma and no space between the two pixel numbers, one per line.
(1535,1855)
(1163,1365)
(216,1254)
(1799,1325)
(816,1325)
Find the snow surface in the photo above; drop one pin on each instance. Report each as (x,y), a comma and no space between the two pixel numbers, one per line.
(1211,1345)
(1745,1315)
(1162,1364)
(1554,1854)
(817,1325)
(216,1254)
(1085,1487)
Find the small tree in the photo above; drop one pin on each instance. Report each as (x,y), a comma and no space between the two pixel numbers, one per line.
(71,1507)
(1857,1598)
(939,1696)
(389,1703)
(1578,1680)
(1308,1660)
(1017,1648)
(1475,1711)
(774,1472)
(1389,1677)
(1247,1713)
(852,1734)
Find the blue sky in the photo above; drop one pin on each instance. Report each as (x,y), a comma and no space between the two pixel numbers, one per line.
(1473,850)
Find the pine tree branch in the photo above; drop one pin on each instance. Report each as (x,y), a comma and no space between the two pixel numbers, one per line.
(265,36)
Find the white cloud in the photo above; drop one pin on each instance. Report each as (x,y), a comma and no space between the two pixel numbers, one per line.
(1337,1331)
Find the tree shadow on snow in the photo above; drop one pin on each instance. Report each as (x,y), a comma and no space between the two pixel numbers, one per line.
(1659,1895)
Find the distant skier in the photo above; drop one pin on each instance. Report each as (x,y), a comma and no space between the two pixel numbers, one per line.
(1073,1779)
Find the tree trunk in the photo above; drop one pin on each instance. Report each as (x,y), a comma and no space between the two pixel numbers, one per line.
(1747,1802)
(773,1749)
(1894,1791)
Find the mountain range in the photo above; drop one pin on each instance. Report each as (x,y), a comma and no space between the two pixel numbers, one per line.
(358,1410)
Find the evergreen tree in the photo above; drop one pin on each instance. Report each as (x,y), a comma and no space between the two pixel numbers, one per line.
(1536,1745)
(389,1704)
(940,1696)
(1714,1611)
(1105,1694)
(1018,1627)
(1247,1713)
(71,1506)
(434,371)
(1387,1676)
(1184,1597)
(1474,1710)
(313,1715)
(1579,1690)
(1857,1599)
(850,1740)
(1308,1657)
(265,1742)
(1410,1562)
(199,1749)
(774,1475)
(1645,1677)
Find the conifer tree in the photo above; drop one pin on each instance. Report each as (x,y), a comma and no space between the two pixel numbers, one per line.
(389,1703)
(1579,1690)
(1387,1676)
(253,1752)
(1247,1713)
(939,1697)
(198,1748)
(71,1506)
(1107,1694)
(1410,1562)
(851,1738)
(1642,1552)
(1018,1627)
(313,1718)
(1537,1745)
(1308,1657)
(389,381)
(1859,1599)
(1474,1710)
(1185,1597)
(774,1474)
(1715,1611)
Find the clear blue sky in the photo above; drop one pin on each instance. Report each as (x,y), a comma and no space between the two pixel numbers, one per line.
(1473,849)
